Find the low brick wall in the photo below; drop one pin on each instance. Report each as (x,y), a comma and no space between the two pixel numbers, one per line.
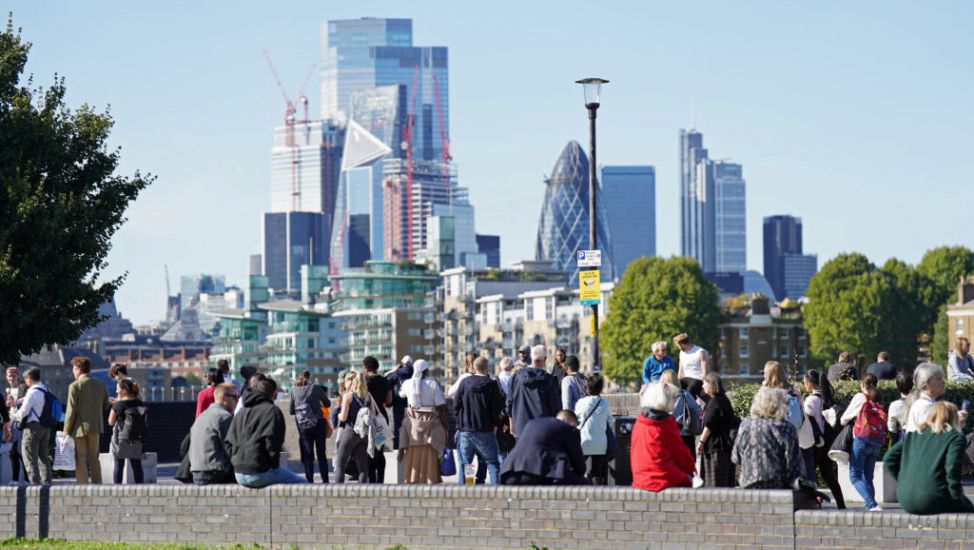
(833,529)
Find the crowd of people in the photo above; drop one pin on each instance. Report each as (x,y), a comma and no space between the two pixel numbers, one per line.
(528,424)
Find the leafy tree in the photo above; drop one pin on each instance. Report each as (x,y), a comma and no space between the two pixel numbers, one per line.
(939,342)
(944,266)
(60,204)
(656,299)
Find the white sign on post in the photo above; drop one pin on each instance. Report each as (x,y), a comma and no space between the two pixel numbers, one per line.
(589,258)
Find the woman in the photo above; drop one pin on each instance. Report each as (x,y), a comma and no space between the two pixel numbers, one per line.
(422,437)
(593,421)
(352,446)
(766,450)
(656,363)
(869,434)
(928,386)
(820,398)
(128,423)
(658,458)
(307,401)
(776,377)
(685,403)
(205,398)
(716,442)
(897,409)
(118,372)
(927,465)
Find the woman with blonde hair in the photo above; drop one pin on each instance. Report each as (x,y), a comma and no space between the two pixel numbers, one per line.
(776,377)
(766,449)
(686,411)
(927,464)
(352,445)
(422,437)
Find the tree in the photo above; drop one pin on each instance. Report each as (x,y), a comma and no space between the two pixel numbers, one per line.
(60,204)
(655,300)
(944,266)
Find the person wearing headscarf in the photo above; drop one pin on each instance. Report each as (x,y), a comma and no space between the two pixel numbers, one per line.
(422,437)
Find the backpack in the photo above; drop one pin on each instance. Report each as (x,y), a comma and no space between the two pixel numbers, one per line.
(690,423)
(306,415)
(871,423)
(52,412)
(135,427)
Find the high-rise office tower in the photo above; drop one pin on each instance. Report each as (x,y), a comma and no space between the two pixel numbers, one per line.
(192,286)
(786,268)
(362,54)
(289,241)
(692,153)
(629,194)
(563,228)
(304,166)
(490,246)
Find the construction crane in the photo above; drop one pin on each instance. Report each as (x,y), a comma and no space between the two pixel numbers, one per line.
(289,121)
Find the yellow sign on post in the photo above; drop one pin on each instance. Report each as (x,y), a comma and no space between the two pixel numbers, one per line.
(589,287)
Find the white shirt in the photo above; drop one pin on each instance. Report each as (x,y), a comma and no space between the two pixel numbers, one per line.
(452,390)
(430,393)
(855,407)
(504,377)
(919,412)
(33,405)
(691,362)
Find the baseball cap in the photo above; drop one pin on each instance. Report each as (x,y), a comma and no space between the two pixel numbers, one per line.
(524,349)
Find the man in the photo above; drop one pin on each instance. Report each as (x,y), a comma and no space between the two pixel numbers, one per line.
(694,364)
(402,372)
(655,364)
(255,439)
(249,375)
(505,375)
(882,368)
(224,367)
(558,371)
(842,370)
(549,452)
(36,438)
(381,391)
(960,364)
(478,405)
(574,386)
(524,354)
(209,460)
(534,392)
(87,403)
(16,390)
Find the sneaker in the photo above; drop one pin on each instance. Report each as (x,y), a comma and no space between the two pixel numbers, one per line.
(874,509)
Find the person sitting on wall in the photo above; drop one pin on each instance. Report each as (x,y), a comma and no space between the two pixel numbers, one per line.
(548,452)
(659,457)
(209,460)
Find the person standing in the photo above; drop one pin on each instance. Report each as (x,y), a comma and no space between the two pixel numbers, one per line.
(842,370)
(396,378)
(882,368)
(209,459)
(205,398)
(593,422)
(36,437)
(928,386)
(534,392)
(715,444)
(478,405)
(87,402)
(505,374)
(869,434)
(306,404)
(381,392)
(424,429)
(819,399)
(694,364)
(655,364)
(352,445)
(128,422)
(897,409)
(224,367)
(574,385)
(960,364)
(524,354)
(559,370)
(16,390)
(686,412)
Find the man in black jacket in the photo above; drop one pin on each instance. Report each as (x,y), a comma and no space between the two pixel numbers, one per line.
(255,440)
(478,404)
(548,452)
(534,392)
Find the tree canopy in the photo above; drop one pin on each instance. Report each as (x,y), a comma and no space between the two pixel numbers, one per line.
(656,299)
(60,204)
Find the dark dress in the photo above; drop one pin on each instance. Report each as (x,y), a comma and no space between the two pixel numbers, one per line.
(718,416)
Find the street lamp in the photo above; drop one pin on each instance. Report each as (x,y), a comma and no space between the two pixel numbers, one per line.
(592,88)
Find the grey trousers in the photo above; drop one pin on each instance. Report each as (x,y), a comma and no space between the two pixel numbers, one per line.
(37,453)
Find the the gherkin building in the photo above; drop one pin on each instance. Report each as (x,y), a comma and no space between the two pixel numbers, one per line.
(563,227)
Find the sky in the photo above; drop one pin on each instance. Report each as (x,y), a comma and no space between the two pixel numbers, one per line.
(854,116)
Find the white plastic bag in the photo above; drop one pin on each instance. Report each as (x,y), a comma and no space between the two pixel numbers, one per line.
(64,452)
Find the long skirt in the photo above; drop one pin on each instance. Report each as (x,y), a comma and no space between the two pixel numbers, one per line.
(718,471)
(422,440)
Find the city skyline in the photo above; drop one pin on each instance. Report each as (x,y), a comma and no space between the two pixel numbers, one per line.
(845,128)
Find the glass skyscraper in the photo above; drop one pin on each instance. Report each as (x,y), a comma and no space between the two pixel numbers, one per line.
(629,194)
(692,153)
(362,54)
(563,226)
(787,270)
(729,217)
(291,240)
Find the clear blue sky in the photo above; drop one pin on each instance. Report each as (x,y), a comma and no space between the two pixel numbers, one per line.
(855,116)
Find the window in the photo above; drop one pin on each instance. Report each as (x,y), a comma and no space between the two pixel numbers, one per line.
(800,350)
(745,368)
(744,351)
(800,333)
(783,332)
(960,325)
(744,333)
(783,352)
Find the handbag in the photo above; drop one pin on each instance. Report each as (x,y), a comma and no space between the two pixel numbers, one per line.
(690,422)
(448,466)
(381,434)
(842,445)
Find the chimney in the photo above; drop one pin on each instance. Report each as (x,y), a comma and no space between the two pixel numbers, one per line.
(759,305)
(965,290)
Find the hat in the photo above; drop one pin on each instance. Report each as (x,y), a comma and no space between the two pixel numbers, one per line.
(524,349)
(406,360)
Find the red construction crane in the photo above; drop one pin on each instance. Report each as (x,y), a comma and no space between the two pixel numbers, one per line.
(289,120)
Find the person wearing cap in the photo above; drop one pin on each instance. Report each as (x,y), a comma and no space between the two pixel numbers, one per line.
(422,437)
(524,354)
(534,392)
(402,372)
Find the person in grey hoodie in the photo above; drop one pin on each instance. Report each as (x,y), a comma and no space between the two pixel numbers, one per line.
(208,458)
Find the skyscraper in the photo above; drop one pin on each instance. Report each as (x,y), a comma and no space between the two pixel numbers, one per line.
(786,268)
(289,241)
(563,227)
(692,153)
(629,194)
(490,246)
(362,54)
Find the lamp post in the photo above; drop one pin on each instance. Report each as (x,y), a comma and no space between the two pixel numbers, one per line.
(592,88)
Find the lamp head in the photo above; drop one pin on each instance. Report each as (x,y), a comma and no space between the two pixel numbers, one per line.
(592,87)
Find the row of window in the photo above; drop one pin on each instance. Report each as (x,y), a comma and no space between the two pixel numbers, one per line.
(744,333)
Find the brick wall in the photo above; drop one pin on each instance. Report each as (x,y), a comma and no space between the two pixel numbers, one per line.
(833,529)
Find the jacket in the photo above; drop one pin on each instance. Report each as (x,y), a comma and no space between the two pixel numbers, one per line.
(653,368)
(927,469)
(534,393)
(87,403)
(548,448)
(767,454)
(207,450)
(658,456)
(256,435)
(593,420)
(478,404)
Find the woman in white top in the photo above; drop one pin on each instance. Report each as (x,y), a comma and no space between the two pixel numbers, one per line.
(593,421)
(422,437)
(928,385)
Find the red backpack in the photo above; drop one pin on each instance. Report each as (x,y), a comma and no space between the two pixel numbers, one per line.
(871,423)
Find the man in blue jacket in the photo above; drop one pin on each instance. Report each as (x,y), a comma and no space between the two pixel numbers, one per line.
(478,404)
(549,452)
(534,392)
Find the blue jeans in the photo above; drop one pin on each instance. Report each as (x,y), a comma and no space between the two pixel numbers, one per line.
(276,476)
(483,445)
(862,464)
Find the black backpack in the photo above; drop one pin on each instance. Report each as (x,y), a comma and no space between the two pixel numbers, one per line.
(135,427)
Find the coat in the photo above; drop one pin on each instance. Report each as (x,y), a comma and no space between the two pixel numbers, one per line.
(87,403)
(659,458)
(256,435)
(927,469)
(534,393)
(548,448)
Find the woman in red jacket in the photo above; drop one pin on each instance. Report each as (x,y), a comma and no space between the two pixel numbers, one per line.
(659,458)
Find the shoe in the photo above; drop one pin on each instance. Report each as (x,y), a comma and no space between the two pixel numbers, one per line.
(874,509)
